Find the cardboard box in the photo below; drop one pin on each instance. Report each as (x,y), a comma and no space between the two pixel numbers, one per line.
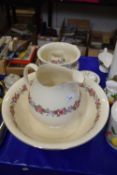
(100,39)
(16,69)
(93,52)
(24,15)
(2,66)
(75,31)
(30,58)
(83,50)
(13,69)
(81,24)
(107,37)
(96,39)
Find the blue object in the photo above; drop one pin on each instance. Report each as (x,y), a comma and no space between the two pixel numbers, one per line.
(2,76)
(12,55)
(95,157)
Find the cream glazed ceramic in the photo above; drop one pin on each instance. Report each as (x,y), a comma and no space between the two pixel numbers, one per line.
(54,96)
(91,76)
(16,113)
(60,53)
(111,91)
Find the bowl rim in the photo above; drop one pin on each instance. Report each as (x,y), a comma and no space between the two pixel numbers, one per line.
(104,114)
(61,43)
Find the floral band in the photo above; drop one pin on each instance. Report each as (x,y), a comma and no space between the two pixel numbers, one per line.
(58,112)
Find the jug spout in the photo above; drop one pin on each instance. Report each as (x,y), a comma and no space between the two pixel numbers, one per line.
(78,76)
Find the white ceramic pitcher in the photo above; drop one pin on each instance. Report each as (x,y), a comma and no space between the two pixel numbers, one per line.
(54,95)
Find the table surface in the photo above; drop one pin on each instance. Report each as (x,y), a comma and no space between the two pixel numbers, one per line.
(95,157)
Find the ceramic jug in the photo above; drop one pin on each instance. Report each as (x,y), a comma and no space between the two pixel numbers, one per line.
(54,95)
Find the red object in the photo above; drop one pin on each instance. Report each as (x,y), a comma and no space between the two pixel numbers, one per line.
(29,60)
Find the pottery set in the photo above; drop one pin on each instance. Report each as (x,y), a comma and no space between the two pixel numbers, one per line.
(54,96)
(55,107)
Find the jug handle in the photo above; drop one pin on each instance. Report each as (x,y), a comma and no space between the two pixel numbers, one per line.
(25,73)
